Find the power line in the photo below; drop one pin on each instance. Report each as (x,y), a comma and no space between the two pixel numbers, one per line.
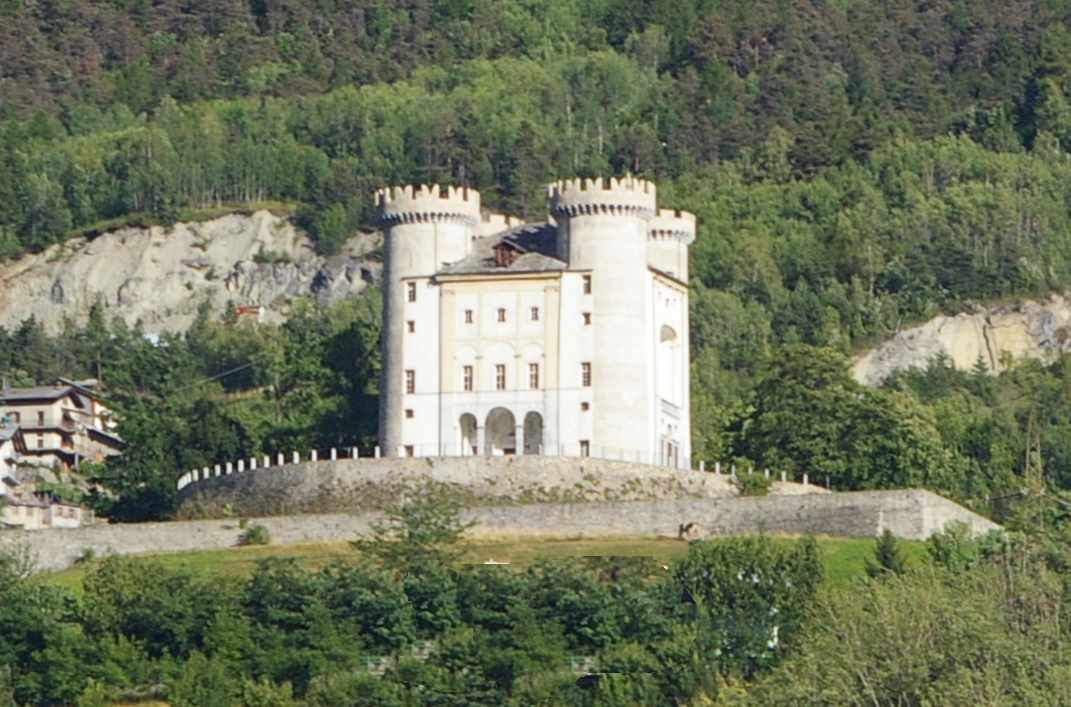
(221,375)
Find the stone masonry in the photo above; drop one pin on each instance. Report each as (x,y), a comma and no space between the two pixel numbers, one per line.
(912,514)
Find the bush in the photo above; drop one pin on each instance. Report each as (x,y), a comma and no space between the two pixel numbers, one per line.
(753,484)
(255,534)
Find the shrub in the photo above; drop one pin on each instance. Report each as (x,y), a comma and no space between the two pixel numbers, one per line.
(753,484)
(255,534)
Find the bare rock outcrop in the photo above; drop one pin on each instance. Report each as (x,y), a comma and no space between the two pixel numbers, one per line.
(994,336)
(160,276)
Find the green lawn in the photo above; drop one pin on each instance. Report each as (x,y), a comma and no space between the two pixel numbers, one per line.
(845,558)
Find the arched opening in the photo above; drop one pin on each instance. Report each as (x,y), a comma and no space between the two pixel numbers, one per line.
(667,383)
(468,435)
(533,433)
(501,437)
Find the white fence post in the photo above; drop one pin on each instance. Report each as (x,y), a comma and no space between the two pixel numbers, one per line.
(297,458)
(334,454)
(314,455)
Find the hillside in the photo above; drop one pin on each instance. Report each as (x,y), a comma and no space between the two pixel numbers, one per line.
(161,277)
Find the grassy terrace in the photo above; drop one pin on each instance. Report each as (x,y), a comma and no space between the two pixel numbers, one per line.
(845,558)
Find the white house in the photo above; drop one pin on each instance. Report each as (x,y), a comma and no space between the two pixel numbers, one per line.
(62,423)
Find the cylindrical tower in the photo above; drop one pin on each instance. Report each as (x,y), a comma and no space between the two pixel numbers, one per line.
(604,229)
(424,228)
(668,236)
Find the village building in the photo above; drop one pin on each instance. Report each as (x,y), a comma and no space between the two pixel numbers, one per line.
(62,424)
(564,338)
(12,446)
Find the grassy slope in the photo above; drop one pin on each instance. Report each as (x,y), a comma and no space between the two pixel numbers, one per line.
(845,558)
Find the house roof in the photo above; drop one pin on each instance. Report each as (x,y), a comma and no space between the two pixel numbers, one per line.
(535,242)
(61,388)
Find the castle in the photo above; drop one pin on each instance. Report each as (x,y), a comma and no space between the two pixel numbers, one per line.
(564,338)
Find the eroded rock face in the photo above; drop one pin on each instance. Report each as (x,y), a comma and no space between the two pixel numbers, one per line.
(993,336)
(160,277)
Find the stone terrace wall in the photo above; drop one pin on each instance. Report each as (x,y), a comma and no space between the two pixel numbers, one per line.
(912,514)
(364,484)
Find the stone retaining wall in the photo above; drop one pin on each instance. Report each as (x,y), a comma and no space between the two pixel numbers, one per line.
(364,484)
(912,514)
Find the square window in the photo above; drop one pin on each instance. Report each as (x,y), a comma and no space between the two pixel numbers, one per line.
(533,376)
(587,318)
(466,378)
(587,284)
(501,314)
(410,382)
(411,326)
(409,450)
(585,448)
(535,314)
(500,376)
(409,414)
(584,407)
(585,375)
(468,316)
(410,291)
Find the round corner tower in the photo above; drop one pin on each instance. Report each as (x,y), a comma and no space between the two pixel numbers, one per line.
(425,228)
(603,230)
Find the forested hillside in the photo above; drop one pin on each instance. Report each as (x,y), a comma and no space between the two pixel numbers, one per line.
(855,166)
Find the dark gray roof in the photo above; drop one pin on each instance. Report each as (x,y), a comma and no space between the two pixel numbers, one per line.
(536,241)
(41,392)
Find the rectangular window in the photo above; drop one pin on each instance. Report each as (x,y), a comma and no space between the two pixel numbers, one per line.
(585,375)
(584,407)
(585,448)
(466,378)
(409,414)
(410,291)
(587,318)
(535,314)
(500,377)
(411,326)
(40,442)
(587,284)
(409,450)
(468,316)
(40,418)
(533,375)
(410,382)
(501,314)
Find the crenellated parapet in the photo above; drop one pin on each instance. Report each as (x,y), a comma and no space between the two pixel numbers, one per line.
(627,196)
(428,204)
(490,224)
(672,225)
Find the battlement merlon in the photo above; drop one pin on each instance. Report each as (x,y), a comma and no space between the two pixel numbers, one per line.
(491,223)
(627,196)
(428,203)
(670,224)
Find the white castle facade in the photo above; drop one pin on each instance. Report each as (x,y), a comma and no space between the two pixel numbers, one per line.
(564,338)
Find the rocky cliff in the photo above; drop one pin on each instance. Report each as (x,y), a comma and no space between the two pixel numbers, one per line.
(993,335)
(160,276)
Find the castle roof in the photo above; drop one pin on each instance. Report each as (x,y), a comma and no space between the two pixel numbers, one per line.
(534,244)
